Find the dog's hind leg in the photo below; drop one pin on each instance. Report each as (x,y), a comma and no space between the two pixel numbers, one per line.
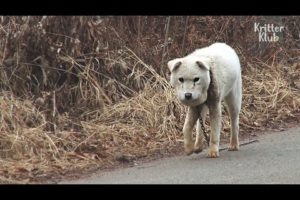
(198,147)
(215,122)
(233,102)
(190,121)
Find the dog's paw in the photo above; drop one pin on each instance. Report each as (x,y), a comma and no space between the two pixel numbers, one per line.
(212,154)
(233,147)
(189,149)
(198,148)
(188,152)
(213,151)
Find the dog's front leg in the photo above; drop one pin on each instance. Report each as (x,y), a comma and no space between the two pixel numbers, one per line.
(215,114)
(190,121)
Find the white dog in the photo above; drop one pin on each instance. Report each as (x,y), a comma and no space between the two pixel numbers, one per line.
(202,80)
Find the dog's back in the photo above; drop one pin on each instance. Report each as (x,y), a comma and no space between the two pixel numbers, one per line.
(226,58)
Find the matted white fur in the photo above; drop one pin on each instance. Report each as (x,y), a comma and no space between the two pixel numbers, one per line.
(202,80)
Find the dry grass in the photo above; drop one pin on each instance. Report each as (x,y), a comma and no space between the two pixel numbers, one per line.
(79,108)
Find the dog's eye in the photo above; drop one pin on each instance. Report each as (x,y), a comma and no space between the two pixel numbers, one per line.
(196,79)
(181,80)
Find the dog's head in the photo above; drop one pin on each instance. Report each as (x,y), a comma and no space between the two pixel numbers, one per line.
(191,78)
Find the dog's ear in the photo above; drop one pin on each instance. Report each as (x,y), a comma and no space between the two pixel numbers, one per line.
(174,64)
(203,65)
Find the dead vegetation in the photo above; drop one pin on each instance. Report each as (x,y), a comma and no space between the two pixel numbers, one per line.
(89,92)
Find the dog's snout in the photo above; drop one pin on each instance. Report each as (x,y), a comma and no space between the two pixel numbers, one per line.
(188,95)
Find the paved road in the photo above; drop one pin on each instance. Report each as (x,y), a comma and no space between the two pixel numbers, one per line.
(274,159)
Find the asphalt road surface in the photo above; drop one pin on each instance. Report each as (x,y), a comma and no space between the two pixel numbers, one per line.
(275,159)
